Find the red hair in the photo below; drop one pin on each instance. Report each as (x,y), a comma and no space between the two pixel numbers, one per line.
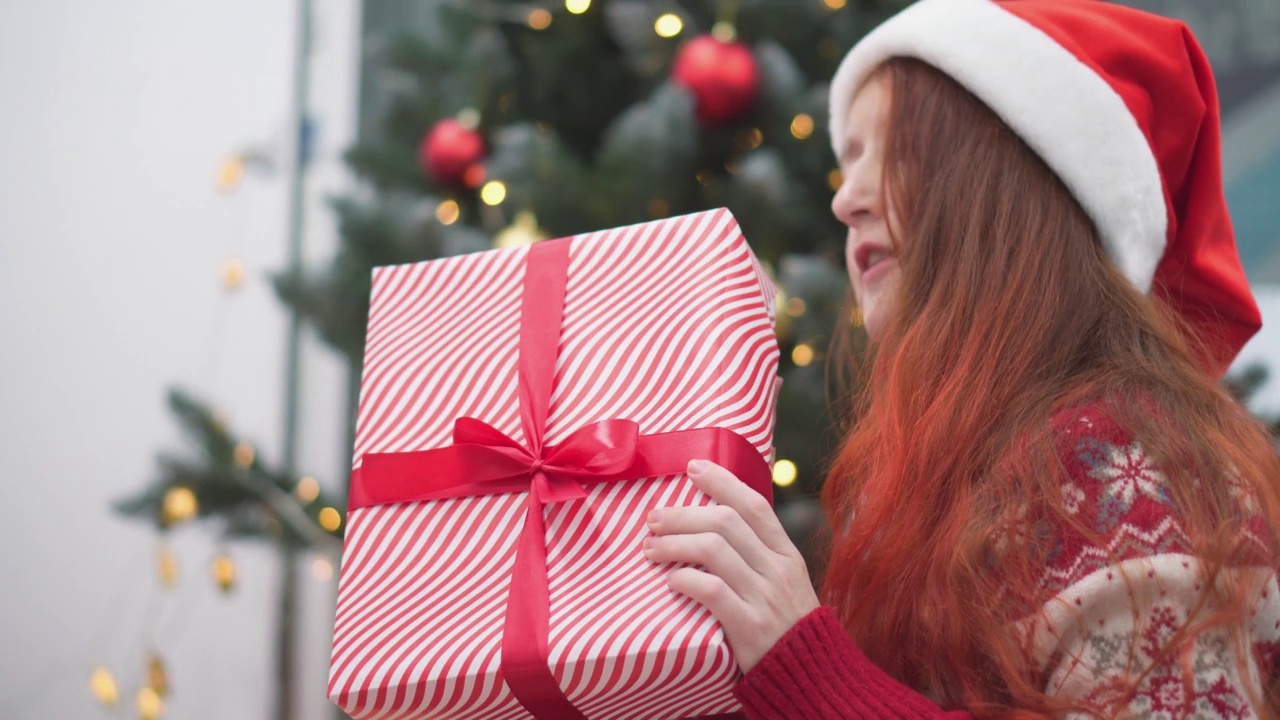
(1007,312)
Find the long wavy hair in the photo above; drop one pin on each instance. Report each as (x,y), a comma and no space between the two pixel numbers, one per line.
(1007,312)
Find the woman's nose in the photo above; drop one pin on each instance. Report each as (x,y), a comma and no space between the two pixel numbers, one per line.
(841,203)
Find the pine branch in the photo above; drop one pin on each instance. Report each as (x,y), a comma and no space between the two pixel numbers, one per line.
(229,482)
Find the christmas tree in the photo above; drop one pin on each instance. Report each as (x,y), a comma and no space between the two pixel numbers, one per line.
(517,121)
(507,122)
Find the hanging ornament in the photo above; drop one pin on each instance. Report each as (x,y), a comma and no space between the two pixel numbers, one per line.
(524,231)
(224,573)
(103,685)
(450,151)
(722,75)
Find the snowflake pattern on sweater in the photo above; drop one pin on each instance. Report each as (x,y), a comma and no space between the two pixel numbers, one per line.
(1119,602)
(1117,595)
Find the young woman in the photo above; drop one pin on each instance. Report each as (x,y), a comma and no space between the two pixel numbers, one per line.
(1046,506)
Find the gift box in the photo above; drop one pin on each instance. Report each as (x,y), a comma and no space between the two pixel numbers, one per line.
(521,412)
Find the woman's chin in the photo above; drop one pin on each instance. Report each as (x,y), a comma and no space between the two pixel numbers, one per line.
(873,322)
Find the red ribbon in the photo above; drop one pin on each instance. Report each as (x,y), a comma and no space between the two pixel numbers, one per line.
(485,461)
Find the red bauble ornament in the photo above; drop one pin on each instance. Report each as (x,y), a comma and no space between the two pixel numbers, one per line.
(722,76)
(449,150)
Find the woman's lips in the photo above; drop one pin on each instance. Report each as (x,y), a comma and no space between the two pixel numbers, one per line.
(873,259)
(878,268)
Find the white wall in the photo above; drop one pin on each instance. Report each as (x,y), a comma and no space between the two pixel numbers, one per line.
(1264,349)
(115,117)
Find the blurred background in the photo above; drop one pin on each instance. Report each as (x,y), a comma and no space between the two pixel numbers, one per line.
(191,197)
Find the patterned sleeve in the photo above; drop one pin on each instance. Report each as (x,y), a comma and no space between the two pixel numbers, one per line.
(1116,605)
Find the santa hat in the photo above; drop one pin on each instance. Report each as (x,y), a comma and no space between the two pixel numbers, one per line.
(1121,105)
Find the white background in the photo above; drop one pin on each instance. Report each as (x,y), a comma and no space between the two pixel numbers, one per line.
(114,121)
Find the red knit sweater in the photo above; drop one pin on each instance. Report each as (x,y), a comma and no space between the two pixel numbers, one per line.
(1085,631)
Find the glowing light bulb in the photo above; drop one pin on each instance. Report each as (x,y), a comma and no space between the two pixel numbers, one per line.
(232,273)
(230,173)
(725,32)
(668,25)
(225,572)
(468,118)
(308,489)
(802,126)
(493,192)
(330,519)
(448,212)
(322,569)
(103,685)
(244,455)
(179,505)
(802,355)
(835,179)
(524,231)
(168,566)
(751,139)
(834,4)
(577,7)
(539,19)
(796,307)
(784,473)
(150,704)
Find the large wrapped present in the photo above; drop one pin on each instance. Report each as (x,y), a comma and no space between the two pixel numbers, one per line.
(521,412)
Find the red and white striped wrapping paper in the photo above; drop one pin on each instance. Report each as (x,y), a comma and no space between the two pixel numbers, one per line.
(669,324)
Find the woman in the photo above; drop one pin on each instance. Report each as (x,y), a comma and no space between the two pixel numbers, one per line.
(1046,505)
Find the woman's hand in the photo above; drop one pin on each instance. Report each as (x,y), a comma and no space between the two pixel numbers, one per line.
(750,575)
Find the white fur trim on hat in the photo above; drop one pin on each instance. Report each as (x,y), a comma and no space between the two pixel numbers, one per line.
(1059,106)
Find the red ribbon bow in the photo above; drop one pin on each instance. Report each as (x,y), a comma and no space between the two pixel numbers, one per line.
(483,461)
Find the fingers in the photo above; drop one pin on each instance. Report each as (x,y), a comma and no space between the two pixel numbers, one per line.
(720,520)
(725,488)
(709,550)
(740,563)
(750,629)
(711,591)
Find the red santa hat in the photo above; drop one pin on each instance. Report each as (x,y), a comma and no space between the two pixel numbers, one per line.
(1121,104)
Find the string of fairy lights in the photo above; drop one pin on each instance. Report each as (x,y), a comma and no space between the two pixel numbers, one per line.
(146,693)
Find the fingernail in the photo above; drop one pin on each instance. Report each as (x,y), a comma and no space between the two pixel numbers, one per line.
(697,467)
(654,516)
(648,543)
